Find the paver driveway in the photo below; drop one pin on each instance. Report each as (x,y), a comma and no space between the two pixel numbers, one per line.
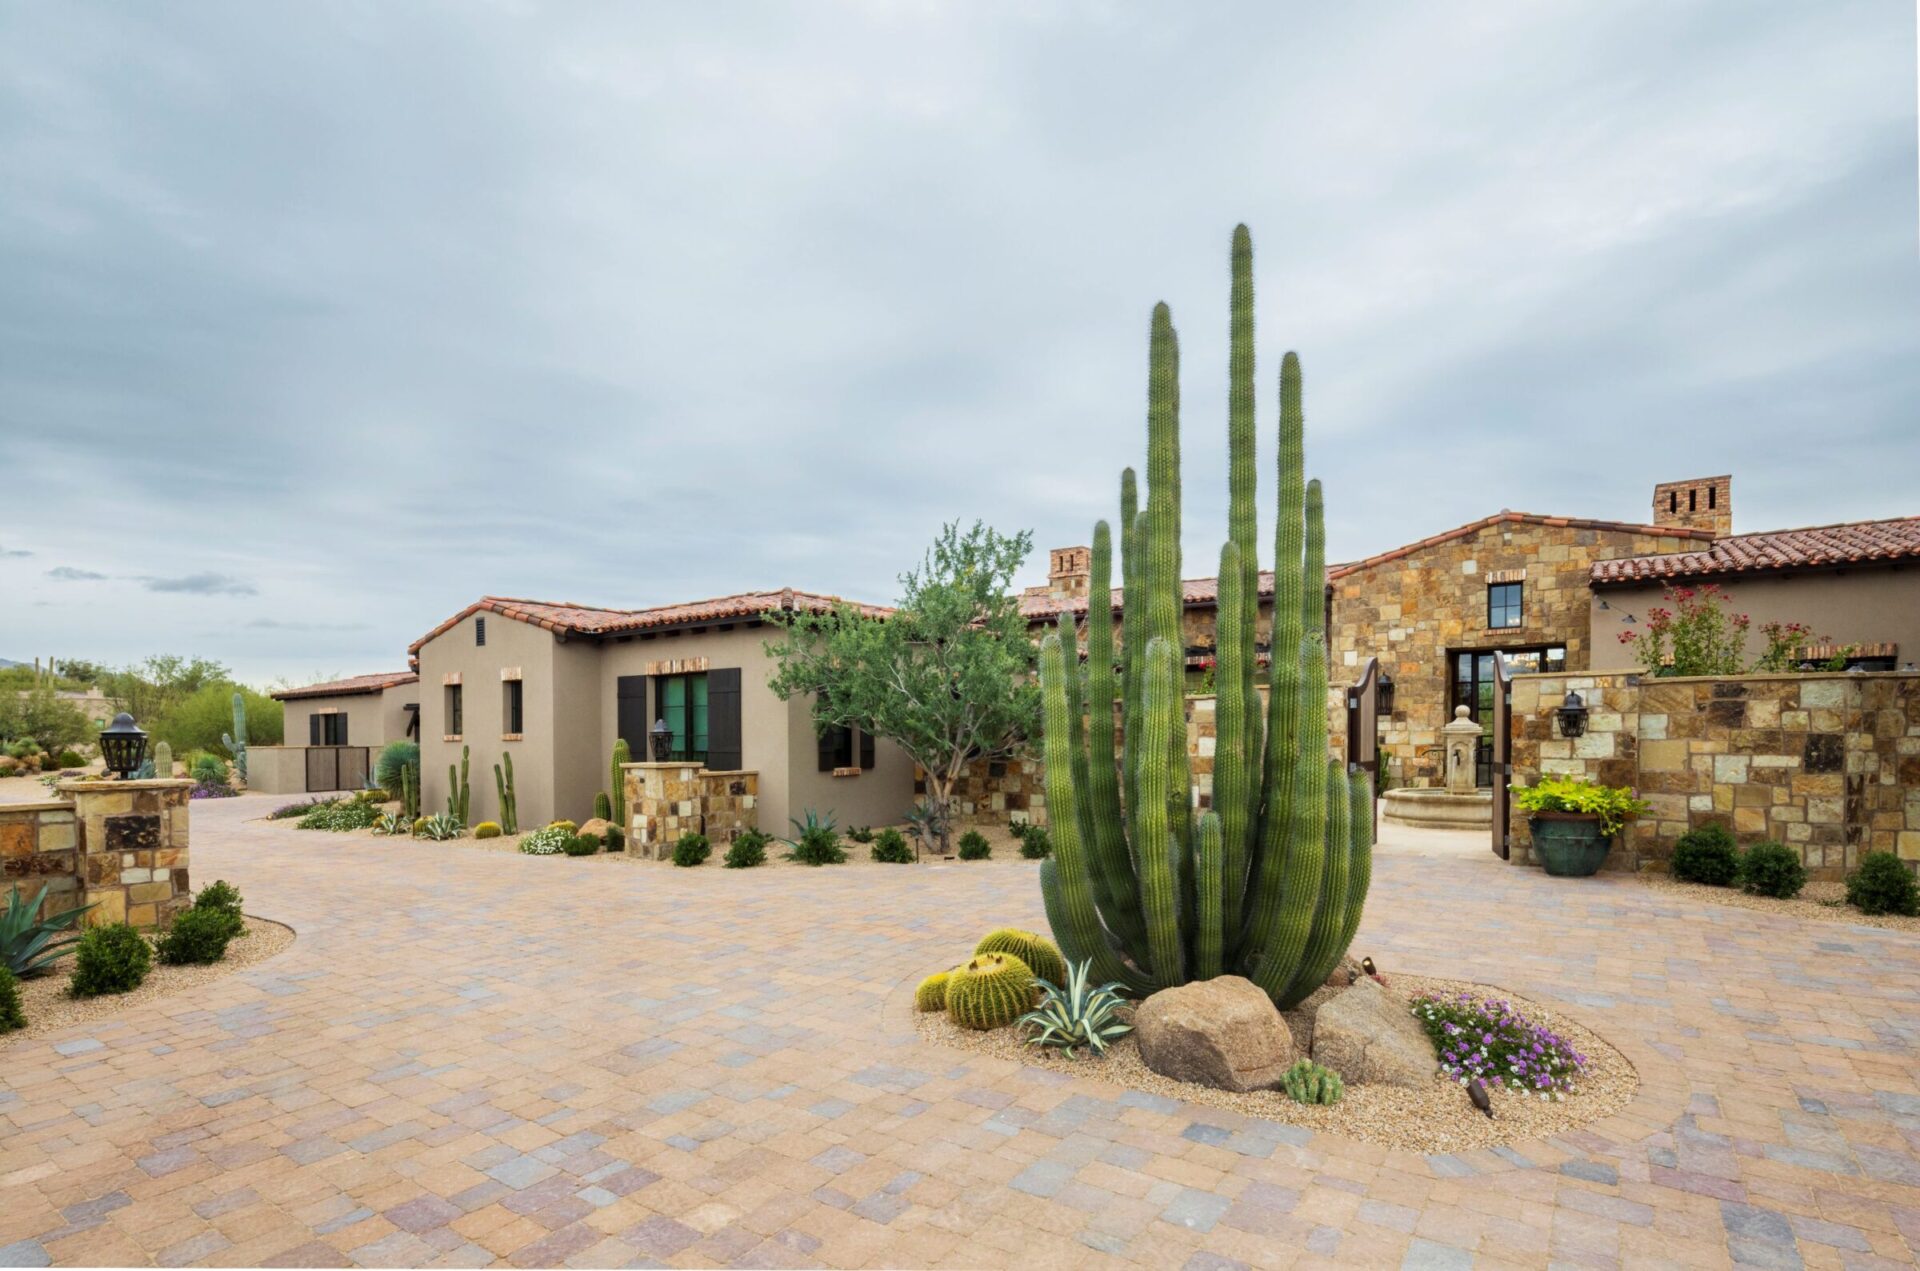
(470,1056)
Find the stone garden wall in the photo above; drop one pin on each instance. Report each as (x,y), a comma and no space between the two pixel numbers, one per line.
(1827,764)
(118,845)
(666,800)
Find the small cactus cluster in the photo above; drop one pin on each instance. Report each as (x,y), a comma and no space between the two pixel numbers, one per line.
(932,993)
(1040,954)
(602,806)
(509,801)
(991,990)
(1308,1082)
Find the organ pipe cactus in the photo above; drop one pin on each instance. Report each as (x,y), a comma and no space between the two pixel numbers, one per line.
(236,741)
(457,792)
(1270,882)
(509,802)
(622,755)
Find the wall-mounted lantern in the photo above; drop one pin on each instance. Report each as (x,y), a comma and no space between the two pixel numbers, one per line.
(662,741)
(1383,694)
(123,744)
(1573,716)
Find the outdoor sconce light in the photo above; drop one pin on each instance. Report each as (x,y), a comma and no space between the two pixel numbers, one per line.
(1573,716)
(1383,694)
(662,742)
(123,744)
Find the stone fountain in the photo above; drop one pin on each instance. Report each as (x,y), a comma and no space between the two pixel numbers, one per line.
(1460,804)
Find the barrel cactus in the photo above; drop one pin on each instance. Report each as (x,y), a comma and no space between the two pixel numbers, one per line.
(1270,882)
(932,993)
(1308,1082)
(991,990)
(1040,954)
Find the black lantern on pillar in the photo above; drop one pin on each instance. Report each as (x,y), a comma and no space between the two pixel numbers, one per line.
(1383,694)
(1573,716)
(123,744)
(662,742)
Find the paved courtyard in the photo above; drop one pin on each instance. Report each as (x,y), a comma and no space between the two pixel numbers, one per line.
(470,1057)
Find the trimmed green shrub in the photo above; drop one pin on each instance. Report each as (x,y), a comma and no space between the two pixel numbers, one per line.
(1034,843)
(348,814)
(1041,955)
(72,759)
(581,845)
(692,849)
(1707,855)
(614,840)
(818,842)
(487,830)
(1771,869)
(11,1016)
(974,846)
(110,959)
(748,849)
(890,847)
(1883,885)
(991,990)
(196,937)
(860,833)
(223,898)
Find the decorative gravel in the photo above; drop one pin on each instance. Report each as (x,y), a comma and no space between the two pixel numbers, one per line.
(1433,1118)
(44,1000)
(1817,902)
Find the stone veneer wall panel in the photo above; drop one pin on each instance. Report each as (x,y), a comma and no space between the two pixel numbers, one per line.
(121,846)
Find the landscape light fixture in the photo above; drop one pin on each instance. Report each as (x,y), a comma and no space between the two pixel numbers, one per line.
(1573,716)
(662,741)
(1383,694)
(123,744)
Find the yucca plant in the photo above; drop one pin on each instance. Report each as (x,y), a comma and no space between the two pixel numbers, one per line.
(1073,1016)
(27,946)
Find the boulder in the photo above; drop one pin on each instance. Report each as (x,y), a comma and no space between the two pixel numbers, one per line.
(1367,1034)
(7,765)
(597,827)
(1223,1033)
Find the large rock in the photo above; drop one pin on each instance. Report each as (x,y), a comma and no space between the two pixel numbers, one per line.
(597,827)
(1367,1034)
(1223,1033)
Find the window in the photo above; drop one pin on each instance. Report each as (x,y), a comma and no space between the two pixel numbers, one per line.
(1503,605)
(836,748)
(327,729)
(510,700)
(1473,688)
(479,632)
(683,704)
(456,720)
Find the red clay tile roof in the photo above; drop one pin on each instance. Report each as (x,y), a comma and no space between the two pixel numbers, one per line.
(1528,518)
(570,619)
(1039,604)
(1854,543)
(349,687)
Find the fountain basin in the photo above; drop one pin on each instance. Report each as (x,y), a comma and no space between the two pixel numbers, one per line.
(1439,809)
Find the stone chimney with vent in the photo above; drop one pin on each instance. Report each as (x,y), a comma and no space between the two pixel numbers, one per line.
(1069,571)
(1703,503)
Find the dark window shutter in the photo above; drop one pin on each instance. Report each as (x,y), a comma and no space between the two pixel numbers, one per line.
(827,744)
(343,729)
(866,749)
(631,702)
(723,720)
(313,730)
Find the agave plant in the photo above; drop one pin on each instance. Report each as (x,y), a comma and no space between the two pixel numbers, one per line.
(927,824)
(392,823)
(27,946)
(1075,1015)
(441,826)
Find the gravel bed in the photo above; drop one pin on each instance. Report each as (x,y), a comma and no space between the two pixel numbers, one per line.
(1817,902)
(1433,1118)
(44,1000)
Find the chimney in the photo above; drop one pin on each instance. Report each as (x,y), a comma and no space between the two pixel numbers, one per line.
(1703,503)
(1068,572)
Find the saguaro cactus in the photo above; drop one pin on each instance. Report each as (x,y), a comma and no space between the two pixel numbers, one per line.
(236,741)
(622,755)
(1270,883)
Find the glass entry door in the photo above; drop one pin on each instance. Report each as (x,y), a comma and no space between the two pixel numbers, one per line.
(1472,687)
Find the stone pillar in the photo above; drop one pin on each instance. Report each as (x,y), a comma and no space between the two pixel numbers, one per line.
(663,802)
(133,848)
(1461,737)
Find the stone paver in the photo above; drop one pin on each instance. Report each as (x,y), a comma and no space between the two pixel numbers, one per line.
(471,1057)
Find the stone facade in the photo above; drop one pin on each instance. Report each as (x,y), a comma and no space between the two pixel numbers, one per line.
(1827,764)
(1415,607)
(120,846)
(667,800)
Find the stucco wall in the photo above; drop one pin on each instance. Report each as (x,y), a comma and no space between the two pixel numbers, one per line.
(1854,606)
(509,644)
(1828,764)
(1412,610)
(373,719)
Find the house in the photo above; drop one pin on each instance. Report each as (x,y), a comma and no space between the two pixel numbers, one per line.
(334,731)
(1552,593)
(554,685)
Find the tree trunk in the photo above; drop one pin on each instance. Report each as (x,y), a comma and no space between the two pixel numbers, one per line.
(940,798)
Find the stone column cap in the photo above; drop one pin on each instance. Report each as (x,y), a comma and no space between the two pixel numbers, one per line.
(122,787)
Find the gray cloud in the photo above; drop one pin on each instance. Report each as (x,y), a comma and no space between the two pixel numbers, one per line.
(634,304)
(13,553)
(202,585)
(274,624)
(69,574)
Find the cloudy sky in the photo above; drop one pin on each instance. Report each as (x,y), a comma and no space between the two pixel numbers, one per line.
(321,320)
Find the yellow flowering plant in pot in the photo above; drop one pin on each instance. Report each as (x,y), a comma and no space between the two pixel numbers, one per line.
(1574,821)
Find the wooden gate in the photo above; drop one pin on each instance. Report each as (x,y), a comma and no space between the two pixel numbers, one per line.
(1500,766)
(336,768)
(1363,730)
